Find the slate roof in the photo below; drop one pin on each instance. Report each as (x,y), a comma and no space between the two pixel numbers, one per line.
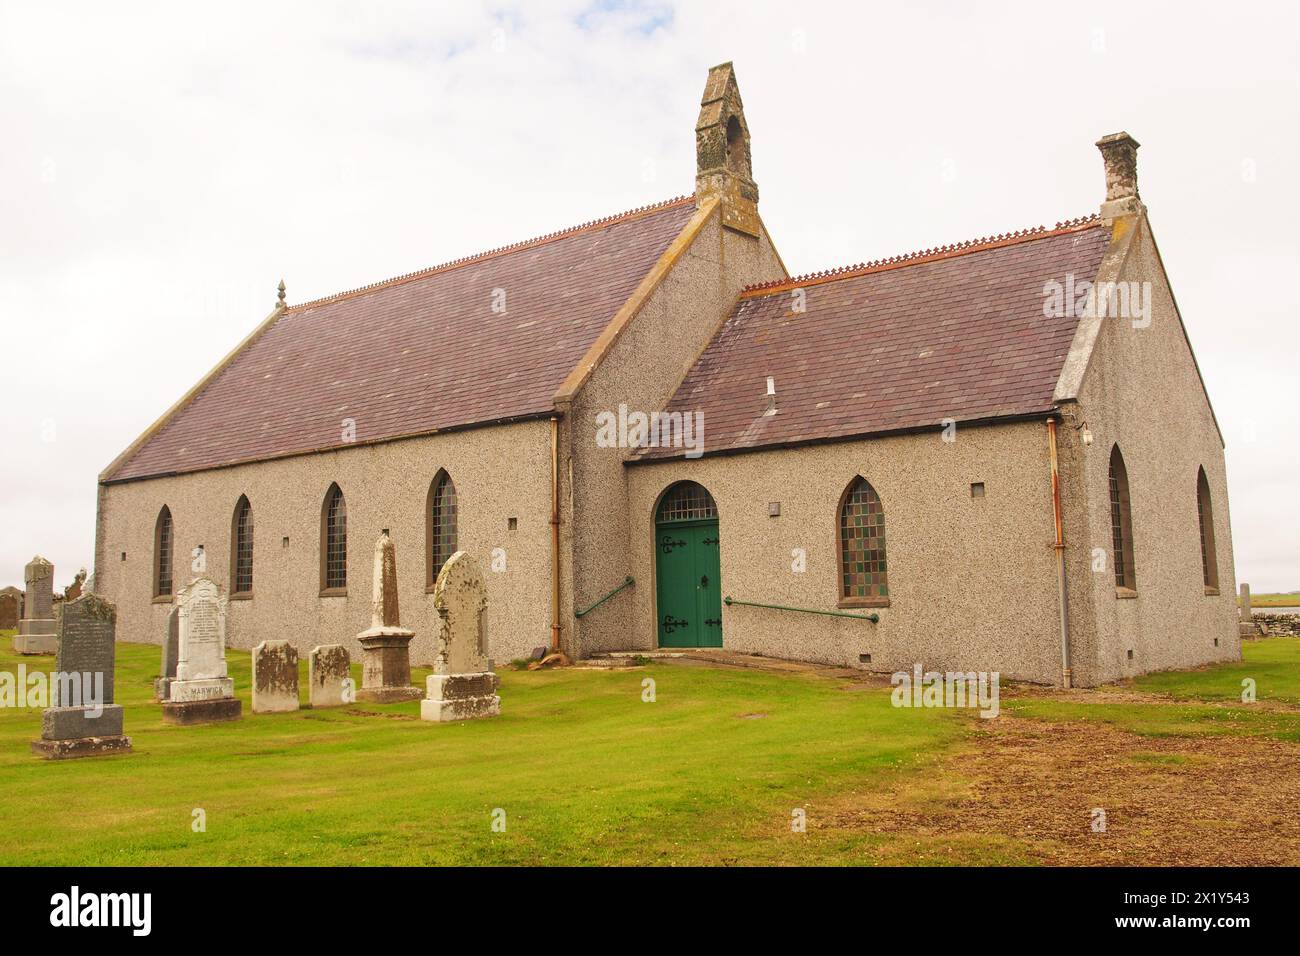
(904,343)
(418,353)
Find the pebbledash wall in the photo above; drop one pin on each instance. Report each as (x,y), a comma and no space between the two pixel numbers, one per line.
(1142,391)
(641,369)
(971,579)
(500,472)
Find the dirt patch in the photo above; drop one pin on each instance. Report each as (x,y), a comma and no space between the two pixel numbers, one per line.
(1172,801)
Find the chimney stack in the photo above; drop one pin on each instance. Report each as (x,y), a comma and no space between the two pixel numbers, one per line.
(722,160)
(1119,154)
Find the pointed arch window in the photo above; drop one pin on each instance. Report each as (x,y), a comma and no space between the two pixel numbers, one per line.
(1121,524)
(440,522)
(1205,516)
(334,542)
(864,578)
(241,549)
(163,548)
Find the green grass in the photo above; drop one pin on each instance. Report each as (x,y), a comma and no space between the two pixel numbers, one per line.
(585,771)
(1264,601)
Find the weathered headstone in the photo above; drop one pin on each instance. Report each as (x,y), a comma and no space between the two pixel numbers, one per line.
(330,673)
(275,677)
(463,684)
(201,692)
(11,608)
(386,645)
(84,721)
(1247,626)
(170,651)
(36,631)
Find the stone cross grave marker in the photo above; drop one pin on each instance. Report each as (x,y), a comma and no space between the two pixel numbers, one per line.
(463,684)
(84,721)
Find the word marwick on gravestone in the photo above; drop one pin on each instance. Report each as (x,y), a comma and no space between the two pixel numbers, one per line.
(201,692)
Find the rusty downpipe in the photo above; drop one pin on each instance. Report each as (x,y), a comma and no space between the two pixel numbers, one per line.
(1059,547)
(555,534)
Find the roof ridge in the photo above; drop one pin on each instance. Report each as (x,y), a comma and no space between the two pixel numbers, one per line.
(492,253)
(909,258)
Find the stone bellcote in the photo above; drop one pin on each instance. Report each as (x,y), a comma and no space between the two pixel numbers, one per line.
(722,155)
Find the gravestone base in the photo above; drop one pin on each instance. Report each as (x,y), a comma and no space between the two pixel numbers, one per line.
(386,665)
(36,637)
(210,688)
(81,747)
(186,712)
(162,687)
(67,723)
(461,697)
(1248,629)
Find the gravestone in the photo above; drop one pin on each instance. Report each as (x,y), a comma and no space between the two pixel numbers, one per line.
(275,677)
(36,631)
(329,671)
(463,684)
(83,721)
(201,692)
(1247,626)
(386,645)
(170,651)
(11,608)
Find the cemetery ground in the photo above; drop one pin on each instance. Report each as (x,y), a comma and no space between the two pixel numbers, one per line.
(708,773)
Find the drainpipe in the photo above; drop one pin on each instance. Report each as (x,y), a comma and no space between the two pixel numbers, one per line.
(1060,556)
(555,533)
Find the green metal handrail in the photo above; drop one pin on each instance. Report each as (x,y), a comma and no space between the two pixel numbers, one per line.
(627,583)
(873,617)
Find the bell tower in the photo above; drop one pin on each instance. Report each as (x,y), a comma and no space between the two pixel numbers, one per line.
(722,158)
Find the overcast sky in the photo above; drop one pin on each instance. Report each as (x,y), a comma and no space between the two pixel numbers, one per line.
(164,165)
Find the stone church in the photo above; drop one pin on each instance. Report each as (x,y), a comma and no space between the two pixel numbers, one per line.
(997,455)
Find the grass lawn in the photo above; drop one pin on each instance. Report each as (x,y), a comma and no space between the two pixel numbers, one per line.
(588,773)
(1265,601)
(585,771)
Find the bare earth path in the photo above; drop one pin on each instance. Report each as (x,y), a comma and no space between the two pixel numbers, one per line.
(1168,801)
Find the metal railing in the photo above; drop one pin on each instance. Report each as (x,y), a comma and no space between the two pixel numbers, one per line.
(873,617)
(627,583)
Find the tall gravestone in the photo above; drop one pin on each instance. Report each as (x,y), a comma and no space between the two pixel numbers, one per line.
(201,691)
(386,645)
(275,677)
(36,631)
(463,684)
(84,721)
(170,651)
(329,678)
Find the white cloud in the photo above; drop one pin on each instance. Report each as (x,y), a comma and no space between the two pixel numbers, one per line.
(165,165)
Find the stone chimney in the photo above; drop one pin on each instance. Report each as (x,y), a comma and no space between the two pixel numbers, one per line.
(1119,153)
(722,153)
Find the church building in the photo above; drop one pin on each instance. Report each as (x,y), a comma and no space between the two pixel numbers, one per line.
(997,455)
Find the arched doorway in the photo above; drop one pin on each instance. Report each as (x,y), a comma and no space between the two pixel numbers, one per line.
(688,568)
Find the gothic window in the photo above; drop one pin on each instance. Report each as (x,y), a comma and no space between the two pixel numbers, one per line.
(1121,523)
(440,523)
(241,548)
(863,570)
(162,554)
(334,541)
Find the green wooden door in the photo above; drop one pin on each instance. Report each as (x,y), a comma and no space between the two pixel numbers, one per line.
(689,584)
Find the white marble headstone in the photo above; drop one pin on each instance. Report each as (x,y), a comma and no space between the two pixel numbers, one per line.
(201,613)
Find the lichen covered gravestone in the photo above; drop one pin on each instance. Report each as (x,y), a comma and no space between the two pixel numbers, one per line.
(329,679)
(275,677)
(84,721)
(201,692)
(11,608)
(36,631)
(462,685)
(386,645)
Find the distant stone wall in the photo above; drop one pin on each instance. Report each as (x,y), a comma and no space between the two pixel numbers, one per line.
(1275,624)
